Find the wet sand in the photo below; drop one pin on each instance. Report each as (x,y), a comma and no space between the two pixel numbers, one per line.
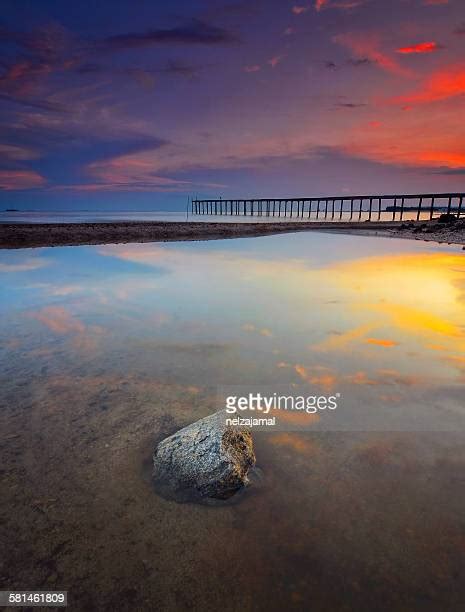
(16,236)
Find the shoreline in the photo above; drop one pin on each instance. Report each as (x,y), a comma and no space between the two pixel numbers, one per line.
(36,235)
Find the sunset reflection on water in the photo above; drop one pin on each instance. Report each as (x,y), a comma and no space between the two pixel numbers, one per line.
(105,349)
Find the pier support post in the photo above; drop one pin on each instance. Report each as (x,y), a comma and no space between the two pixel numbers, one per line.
(449,205)
(420,203)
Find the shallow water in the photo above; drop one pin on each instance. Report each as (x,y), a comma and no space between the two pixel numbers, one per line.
(105,349)
(88,216)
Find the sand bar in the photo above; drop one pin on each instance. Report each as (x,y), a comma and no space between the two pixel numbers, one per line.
(27,235)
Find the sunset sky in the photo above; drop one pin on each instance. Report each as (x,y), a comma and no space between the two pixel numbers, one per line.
(136,105)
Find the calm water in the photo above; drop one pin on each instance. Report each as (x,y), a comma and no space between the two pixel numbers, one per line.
(105,349)
(92,216)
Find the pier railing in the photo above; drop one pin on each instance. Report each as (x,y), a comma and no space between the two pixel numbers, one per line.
(339,208)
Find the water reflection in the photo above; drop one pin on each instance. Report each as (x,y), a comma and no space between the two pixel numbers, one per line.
(105,348)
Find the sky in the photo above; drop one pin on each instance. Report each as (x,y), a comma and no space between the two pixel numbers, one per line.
(138,105)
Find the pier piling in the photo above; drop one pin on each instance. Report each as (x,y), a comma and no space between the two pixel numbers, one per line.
(387,207)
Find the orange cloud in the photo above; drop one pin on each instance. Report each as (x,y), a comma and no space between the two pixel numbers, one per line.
(318,375)
(367,46)
(443,158)
(382,377)
(442,85)
(381,342)
(425,47)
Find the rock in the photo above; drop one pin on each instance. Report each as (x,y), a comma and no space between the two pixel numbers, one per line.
(447,218)
(204,460)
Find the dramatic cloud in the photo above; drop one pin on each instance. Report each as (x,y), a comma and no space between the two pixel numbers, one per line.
(425,47)
(84,106)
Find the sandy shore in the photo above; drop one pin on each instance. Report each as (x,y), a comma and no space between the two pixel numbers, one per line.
(15,236)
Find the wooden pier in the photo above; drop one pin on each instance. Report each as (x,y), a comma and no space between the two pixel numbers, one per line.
(339,208)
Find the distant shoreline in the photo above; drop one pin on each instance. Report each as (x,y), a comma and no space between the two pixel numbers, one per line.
(30,235)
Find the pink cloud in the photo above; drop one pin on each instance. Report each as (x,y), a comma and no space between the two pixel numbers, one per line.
(11,180)
(319,4)
(252,68)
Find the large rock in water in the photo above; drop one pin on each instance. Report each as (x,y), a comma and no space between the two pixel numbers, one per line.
(204,460)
